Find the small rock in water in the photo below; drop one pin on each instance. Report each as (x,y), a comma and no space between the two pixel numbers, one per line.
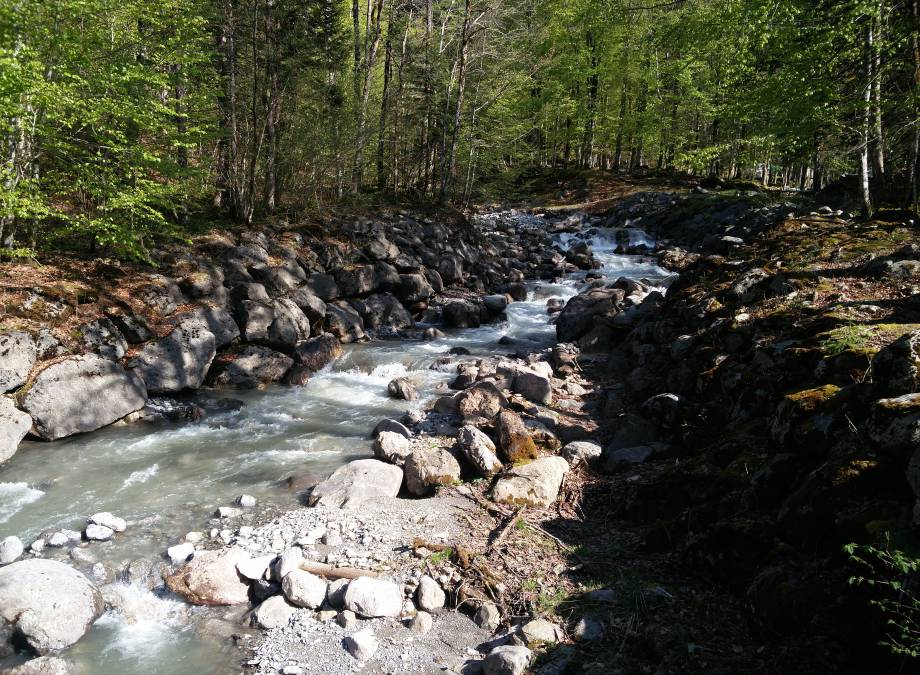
(57,540)
(180,553)
(362,644)
(98,532)
(100,572)
(246,501)
(227,512)
(10,549)
(106,519)
(421,623)
(81,555)
(194,537)
(37,546)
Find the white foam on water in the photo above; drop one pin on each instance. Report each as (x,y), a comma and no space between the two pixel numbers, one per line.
(143,623)
(13,496)
(140,476)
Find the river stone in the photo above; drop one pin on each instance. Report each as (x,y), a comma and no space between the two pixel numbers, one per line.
(357,280)
(578,452)
(289,561)
(335,593)
(304,589)
(361,645)
(253,367)
(357,481)
(401,388)
(488,617)
(180,553)
(391,426)
(43,665)
(392,447)
(421,623)
(462,314)
(323,286)
(273,613)
(289,325)
(77,394)
(343,321)
(533,387)
(178,361)
(541,631)
(483,399)
(382,310)
(479,450)
(534,484)
(496,304)
(216,320)
(429,596)
(14,425)
(98,532)
(368,597)
(428,468)
(513,437)
(507,660)
(106,519)
(255,568)
(210,578)
(47,602)
(317,353)
(10,549)
(584,312)
(18,353)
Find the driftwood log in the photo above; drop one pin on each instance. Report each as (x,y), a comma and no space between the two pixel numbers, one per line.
(331,572)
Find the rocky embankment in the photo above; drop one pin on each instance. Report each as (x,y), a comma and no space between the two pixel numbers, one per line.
(742,426)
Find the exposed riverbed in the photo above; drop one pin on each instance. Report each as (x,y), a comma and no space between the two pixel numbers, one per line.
(168,479)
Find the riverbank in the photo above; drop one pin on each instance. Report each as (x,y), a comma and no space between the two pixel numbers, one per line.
(626,494)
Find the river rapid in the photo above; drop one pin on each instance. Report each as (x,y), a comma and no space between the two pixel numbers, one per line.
(168,479)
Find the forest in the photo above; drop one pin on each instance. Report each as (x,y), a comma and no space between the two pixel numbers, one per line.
(126,122)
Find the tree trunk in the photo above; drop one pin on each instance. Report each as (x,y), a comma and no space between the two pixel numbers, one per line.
(449,160)
(384,103)
(592,85)
(865,123)
(371,45)
(227,192)
(273,105)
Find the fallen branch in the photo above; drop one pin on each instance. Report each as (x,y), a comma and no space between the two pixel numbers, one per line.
(331,572)
(503,532)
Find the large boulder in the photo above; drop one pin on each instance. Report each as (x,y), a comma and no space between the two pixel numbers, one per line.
(343,321)
(450,268)
(514,438)
(582,313)
(253,367)
(534,484)
(178,361)
(357,280)
(77,394)
(310,304)
(14,425)
(462,314)
(357,481)
(401,388)
(216,320)
(49,604)
(414,288)
(211,578)
(311,356)
(382,310)
(479,450)
(896,367)
(304,589)
(289,324)
(534,387)
(483,399)
(42,665)
(392,447)
(323,286)
(18,352)
(429,468)
(369,597)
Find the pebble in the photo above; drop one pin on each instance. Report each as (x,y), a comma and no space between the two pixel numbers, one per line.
(246,501)
(227,512)
(488,617)
(95,532)
(180,553)
(430,597)
(362,644)
(346,619)
(421,623)
(106,519)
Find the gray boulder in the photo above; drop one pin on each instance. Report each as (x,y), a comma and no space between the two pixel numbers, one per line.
(534,387)
(507,660)
(896,367)
(178,361)
(534,484)
(483,399)
(323,286)
(43,665)
(77,394)
(14,425)
(392,447)
(429,596)
(211,578)
(253,367)
(275,612)
(216,320)
(462,314)
(393,426)
(344,322)
(382,311)
(362,645)
(356,482)
(401,388)
(414,288)
(514,438)
(48,603)
(289,324)
(429,468)
(357,280)
(304,589)
(479,450)
(10,549)
(369,597)
(18,352)
(578,452)
(310,304)
(583,312)
(451,269)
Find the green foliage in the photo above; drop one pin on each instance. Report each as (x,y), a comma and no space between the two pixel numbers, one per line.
(846,338)
(439,557)
(891,578)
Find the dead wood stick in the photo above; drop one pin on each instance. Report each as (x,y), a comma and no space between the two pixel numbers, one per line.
(418,542)
(330,572)
(503,532)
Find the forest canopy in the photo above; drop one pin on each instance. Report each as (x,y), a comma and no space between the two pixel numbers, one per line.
(122,120)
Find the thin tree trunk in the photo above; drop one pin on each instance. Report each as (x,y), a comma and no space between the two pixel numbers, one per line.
(865,123)
(384,103)
(878,157)
(449,159)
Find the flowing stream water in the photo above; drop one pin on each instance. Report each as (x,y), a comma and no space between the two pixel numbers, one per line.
(168,479)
